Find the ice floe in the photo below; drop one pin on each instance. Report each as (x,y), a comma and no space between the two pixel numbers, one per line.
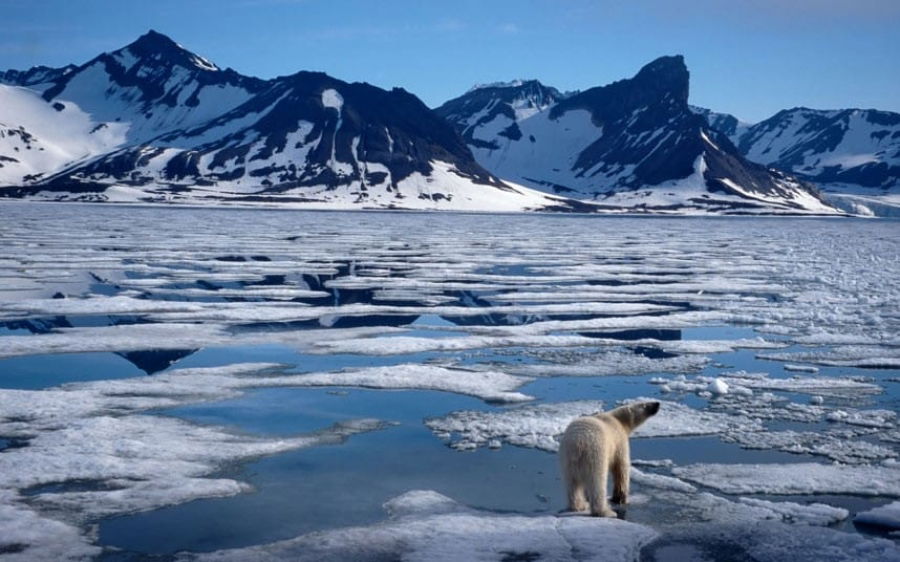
(794,479)
(539,425)
(567,362)
(840,446)
(874,356)
(493,386)
(883,516)
(89,451)
(425,525)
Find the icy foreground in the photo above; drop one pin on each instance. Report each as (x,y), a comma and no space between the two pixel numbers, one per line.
(735,326)
(425,525)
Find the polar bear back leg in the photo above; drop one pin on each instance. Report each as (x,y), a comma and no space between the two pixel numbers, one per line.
(569,463)
(585,459)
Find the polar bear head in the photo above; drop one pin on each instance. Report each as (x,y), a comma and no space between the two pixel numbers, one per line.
(634,414)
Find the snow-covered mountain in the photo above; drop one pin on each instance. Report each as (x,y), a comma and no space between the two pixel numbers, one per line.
(725,123)
(34,77)
(154,122)
(853,155)
(633,144)
(849,146)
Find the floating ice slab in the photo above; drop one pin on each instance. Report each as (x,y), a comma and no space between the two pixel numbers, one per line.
(838,446)
(871,356)
(883,516)
(493,386)
(610,363)
(427,526)
(810,514)
(793,479)
(829,386)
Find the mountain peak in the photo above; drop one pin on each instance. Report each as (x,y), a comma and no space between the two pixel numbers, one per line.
(669,73)
(154,40)
(155,44)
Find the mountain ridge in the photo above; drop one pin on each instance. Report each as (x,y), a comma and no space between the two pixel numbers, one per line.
(153,121)
(634,142)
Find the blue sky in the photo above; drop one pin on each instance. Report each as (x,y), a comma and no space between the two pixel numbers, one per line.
(747,57)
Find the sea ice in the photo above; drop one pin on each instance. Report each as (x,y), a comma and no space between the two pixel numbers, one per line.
(567,362)
(835,445)
(493,386)
(539,425)
(884,516)
(794,479)
(29,537)
(773,541)
(526,426)
(428,526)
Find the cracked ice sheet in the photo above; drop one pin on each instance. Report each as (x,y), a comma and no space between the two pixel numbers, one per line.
(795,479)
(426,526)
(83,432)
(539,425)
(26,413)
(141,462)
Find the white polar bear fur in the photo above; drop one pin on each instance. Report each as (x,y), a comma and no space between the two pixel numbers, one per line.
(591,447)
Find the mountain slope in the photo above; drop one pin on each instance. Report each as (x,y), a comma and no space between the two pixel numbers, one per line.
(177,128)
(634,143)
(154,85)
(851,146)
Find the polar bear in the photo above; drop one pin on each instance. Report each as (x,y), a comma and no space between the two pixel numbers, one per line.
(594,445)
